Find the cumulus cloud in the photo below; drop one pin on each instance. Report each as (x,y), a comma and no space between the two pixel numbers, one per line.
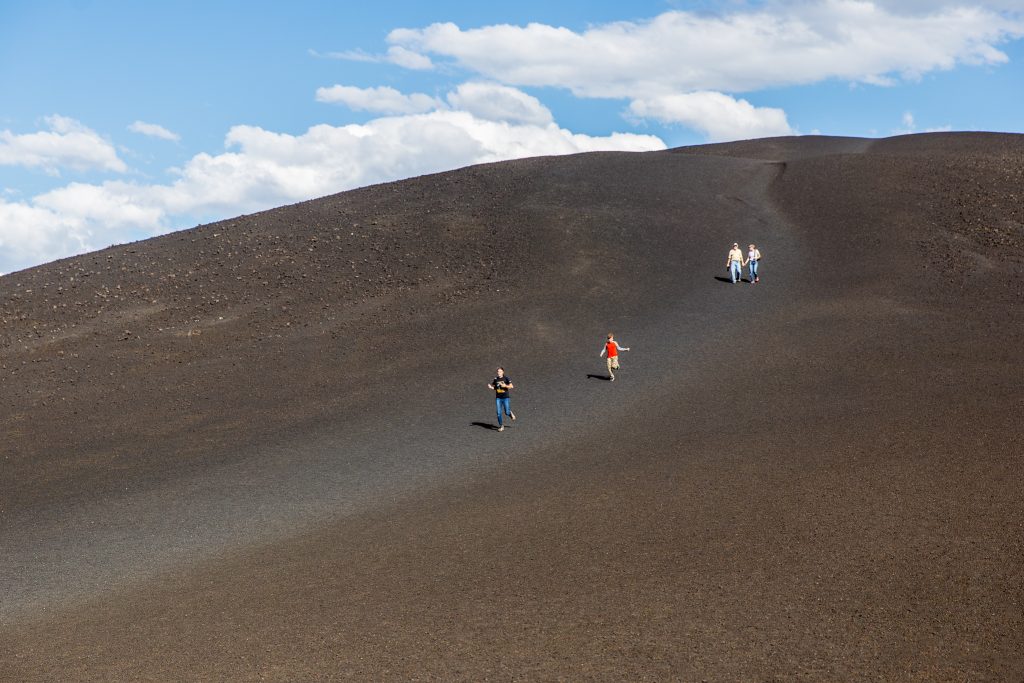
(261,169)
(65,144)
(487,101)
(495,102)
(30,235)
(719,117)
(383,100)
(688,67)
(778,44)
(154,131)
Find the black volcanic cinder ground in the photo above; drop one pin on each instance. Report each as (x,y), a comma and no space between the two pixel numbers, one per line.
(248,451)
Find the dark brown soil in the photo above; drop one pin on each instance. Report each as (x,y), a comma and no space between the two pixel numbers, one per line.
(260,449)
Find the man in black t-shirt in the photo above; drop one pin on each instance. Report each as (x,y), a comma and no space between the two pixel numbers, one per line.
(502,386)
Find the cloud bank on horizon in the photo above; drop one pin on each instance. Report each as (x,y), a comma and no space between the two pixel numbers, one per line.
(693,70)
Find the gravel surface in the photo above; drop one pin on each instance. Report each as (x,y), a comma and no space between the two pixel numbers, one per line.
(262,449)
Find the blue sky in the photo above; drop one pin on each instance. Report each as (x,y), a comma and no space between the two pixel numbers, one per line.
(122,120)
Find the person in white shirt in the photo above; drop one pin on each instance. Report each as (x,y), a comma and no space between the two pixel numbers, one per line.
(734,263)
(753,256)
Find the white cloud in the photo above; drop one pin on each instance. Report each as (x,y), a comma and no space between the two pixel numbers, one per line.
(154,131)
(382,100)
(66,144)
(780,44)
(30,235)
(408,59)
(487,101)
(348,55)
(910,126)
(686,67)
(495,102)
(930,6)
(719,117)
(263,169)
(681,67)
(115,205)
(396,54)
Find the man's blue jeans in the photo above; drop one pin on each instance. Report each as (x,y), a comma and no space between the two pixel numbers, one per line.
(753,270)
(501,403)
(735,271)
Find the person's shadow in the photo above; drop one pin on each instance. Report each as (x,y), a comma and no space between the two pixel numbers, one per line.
(723,279)
(485,425)
(603,378)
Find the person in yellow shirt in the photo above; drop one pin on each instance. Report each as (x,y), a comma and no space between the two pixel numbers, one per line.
(734,264)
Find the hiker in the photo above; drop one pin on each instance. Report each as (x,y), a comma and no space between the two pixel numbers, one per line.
(612,348)
(753,256)
(734,263)
(501,385)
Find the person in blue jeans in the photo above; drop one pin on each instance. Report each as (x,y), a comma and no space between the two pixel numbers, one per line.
(734,263)
(502,385)
(753,257)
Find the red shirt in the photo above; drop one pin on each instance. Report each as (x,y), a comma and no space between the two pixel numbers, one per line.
(612,348)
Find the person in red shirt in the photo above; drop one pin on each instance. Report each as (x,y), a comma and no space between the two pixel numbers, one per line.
(612,348)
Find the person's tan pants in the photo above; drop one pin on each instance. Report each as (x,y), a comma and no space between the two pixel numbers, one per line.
(613,364)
